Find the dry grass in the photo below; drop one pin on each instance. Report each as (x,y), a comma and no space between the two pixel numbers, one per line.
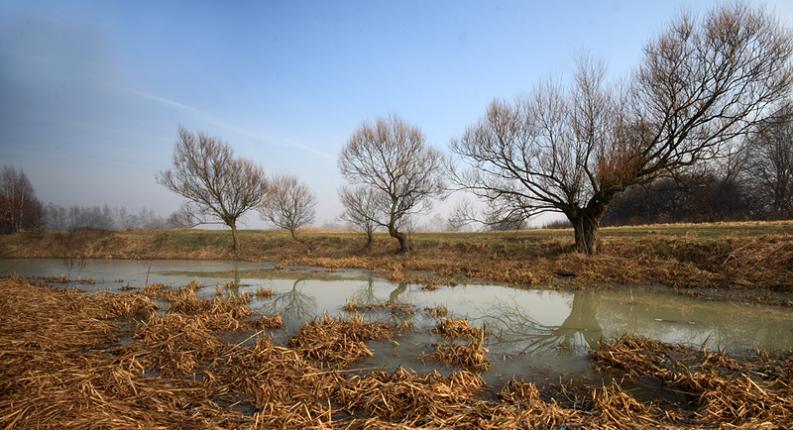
(437,311)
(394,308)
(457,328)
(338,342)
(263,293)
(75,361)
(471,355)
(271,322)
(750,394)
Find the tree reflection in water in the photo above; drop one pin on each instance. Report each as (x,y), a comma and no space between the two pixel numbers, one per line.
(518,332)
(366,297)
(294,306)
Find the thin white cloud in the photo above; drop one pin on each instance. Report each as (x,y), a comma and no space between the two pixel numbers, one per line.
(209,117)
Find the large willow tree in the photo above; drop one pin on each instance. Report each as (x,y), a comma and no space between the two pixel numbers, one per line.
(572,147)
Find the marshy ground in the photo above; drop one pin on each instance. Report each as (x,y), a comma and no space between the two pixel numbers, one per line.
(165,344)
(749,261)
(159,357)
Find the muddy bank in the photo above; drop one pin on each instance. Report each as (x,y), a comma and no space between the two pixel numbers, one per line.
(750,262)
(159,357)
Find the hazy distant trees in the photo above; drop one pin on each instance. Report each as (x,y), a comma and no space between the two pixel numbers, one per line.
(219,187)
(58,217)
(704,198)
(392,158)
(20,210)
(289,204)
(770,164)
(361,208)
(573,148)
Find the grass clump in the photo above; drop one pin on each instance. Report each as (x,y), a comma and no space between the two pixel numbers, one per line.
(437,311)
(394,308)
(457,328)
(263,293)
(338,342)
(271,322)
(471,355)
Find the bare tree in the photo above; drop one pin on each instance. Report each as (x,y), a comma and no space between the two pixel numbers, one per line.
(770,164)
(361,209)
(20,210)
(392,158)
(289,205)
(219,187)
(573,148)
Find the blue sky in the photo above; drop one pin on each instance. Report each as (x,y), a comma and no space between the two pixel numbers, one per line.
(92,93)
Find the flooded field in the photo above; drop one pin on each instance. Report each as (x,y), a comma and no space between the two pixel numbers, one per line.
(534,334)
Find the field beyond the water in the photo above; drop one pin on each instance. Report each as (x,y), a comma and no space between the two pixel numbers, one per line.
(751,258)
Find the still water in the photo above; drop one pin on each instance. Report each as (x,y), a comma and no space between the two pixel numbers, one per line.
(542,335)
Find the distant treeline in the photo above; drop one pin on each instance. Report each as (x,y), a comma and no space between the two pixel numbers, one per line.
(20,210)
(755,184)
(704,198)
(100,218)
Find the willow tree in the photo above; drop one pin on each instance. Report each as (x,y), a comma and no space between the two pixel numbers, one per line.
(219,187)
(362,209)
(571,148)
(289,205)
(392,158)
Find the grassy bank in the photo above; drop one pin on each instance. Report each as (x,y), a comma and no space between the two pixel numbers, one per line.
(73,360)
(755,256)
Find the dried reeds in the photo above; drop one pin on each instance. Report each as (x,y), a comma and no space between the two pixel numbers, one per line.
(338,342)
(471,355)
(437,311)
(69,363)
(726,390)
(394,308)
(263,293)
(457,328)
(271,322)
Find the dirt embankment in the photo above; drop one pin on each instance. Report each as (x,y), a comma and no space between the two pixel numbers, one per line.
(73,361)
(746,261)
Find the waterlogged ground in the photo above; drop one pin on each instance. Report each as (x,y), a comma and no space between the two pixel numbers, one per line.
(538,335)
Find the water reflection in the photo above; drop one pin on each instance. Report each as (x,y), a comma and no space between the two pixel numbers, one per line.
(393,297)
(516,330)
(294,306)
(367,296)
(524,321)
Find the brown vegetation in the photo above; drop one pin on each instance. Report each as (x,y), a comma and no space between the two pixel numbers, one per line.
(738,256)
(749,394)
(263,293)
(338,342)
(394,308)
(73,360)
(457,328)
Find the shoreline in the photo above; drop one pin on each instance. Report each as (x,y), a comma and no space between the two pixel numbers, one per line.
(748,262)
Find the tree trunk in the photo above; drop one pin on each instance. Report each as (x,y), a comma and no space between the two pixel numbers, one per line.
(369,239)
(235,246)
(293,232)
(586,225)
(404,245)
